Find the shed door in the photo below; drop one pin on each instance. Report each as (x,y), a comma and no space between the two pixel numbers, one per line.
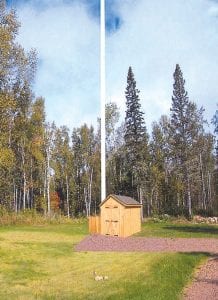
(112,220)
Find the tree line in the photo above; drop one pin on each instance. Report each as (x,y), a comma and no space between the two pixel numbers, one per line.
(175,169)
(47,168)
(42,166)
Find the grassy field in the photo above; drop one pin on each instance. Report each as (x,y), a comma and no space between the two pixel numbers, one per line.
(182,230)
(39,262)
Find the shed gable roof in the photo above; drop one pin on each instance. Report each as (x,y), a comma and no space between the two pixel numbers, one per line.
(124,200)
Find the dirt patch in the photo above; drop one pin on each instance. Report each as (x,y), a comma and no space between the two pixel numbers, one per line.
(205,284)
(108,243)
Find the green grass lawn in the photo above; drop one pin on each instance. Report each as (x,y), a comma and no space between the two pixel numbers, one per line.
(180,230)
(39,262)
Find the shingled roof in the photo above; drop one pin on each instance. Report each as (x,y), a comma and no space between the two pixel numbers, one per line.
(125,200)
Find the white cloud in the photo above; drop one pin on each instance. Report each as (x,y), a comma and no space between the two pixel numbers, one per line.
(154,37)
(66,38)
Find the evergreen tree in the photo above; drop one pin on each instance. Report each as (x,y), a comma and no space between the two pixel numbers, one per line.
(135,131)
(136,139)
(186,127)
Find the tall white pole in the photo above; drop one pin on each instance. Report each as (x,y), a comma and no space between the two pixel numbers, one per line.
(102,96)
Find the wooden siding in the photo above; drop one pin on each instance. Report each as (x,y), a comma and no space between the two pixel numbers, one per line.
(95,224)
(132,221)
(119,220)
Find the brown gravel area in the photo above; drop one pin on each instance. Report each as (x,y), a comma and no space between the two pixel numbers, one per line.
(205,285)
(108,243)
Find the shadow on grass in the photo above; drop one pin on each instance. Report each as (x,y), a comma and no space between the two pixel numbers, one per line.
(194,229)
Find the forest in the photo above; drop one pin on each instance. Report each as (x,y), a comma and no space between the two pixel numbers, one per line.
(51,169)
(42,166)
(174,170)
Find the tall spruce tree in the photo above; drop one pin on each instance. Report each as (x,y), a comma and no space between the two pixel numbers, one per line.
(135,137)
(186,127)
(135,131)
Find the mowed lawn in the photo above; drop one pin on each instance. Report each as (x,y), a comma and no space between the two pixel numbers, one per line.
(178,230)
(39,262)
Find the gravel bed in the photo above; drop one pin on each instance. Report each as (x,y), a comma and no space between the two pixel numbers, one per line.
(141,244)
(205,284)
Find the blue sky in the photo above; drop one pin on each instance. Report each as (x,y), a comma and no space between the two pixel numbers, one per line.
(149,36)
(65,34)
(153,37)
(66,37)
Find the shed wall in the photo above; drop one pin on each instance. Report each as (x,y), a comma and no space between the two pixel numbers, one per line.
(132,220)
(119,220)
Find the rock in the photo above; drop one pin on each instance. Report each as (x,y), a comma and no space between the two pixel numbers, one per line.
(98,278)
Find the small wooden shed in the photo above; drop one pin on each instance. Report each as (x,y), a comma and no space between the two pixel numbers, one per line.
(120,216)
